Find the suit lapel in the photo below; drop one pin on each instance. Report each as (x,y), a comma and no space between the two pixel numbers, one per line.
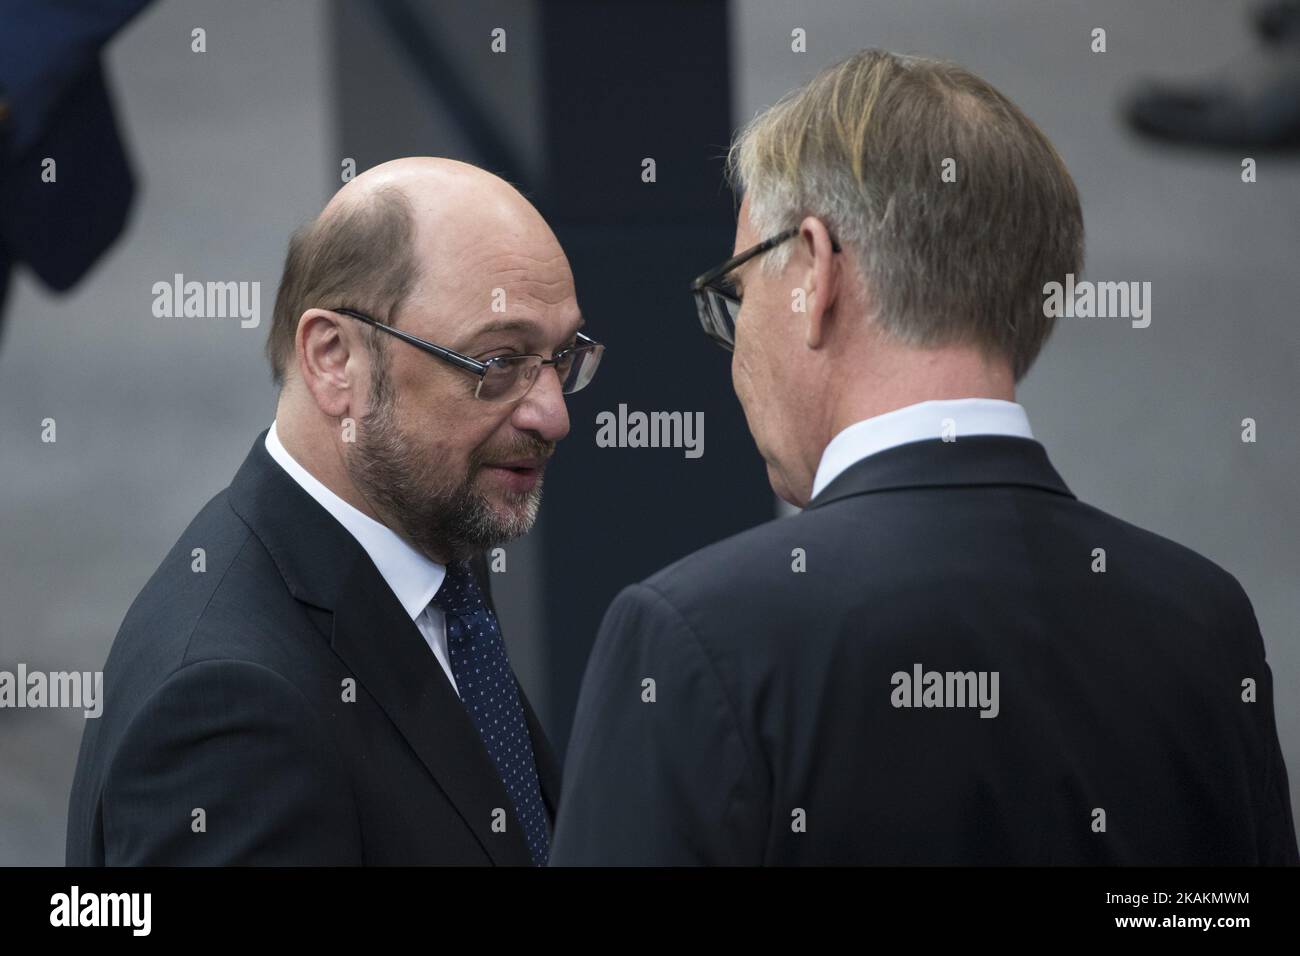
(384,649)
(325,567)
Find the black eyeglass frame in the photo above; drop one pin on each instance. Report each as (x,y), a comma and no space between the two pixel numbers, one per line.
(706,284)
(473,365)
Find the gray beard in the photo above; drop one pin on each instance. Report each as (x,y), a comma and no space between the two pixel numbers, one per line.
(445,520)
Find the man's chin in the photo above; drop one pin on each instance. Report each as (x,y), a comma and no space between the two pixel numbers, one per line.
(513,504)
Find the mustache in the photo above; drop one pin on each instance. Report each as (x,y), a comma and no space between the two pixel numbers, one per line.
(526,448)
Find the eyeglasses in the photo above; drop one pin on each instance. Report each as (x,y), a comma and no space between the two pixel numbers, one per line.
(716,300)
(508,378)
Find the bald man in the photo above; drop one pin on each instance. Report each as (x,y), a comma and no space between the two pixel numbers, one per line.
(315,674)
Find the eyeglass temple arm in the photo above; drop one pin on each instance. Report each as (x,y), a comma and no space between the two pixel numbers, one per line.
(455,358)
(714,274)
(741,258)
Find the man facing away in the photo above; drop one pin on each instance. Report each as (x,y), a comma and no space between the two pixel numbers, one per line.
(928,664)
(327,684)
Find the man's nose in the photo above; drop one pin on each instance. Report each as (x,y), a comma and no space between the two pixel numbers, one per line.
(543,409)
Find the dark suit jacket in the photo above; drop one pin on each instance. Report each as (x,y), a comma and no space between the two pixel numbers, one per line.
(224,691)
(773,737)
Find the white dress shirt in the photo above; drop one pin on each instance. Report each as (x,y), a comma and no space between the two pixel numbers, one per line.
(919,422)
(413,578)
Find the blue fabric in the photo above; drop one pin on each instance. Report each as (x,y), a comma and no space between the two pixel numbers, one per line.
(51,78)
(491,697)
(45,48)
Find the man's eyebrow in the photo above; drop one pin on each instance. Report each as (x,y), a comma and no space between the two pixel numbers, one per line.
(525,326)
(497,326)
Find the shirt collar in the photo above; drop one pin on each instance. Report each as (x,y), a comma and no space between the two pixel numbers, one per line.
(413,577)
(919,422)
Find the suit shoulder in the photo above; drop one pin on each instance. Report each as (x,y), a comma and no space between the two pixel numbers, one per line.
(1195,573)
(217,595)
(751,570)
(166,612)
(734,559)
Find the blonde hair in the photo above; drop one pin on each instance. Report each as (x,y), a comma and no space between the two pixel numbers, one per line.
(863,147)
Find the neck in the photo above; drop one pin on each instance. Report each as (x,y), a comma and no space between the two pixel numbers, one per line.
(310,440)
(922,376)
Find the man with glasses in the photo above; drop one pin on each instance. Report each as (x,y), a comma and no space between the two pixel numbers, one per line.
(945,658)
(316,674)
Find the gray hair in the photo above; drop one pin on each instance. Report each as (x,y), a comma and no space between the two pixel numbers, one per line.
(862,147)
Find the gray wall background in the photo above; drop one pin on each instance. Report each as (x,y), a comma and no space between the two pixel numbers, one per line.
(233,149)
(238,146)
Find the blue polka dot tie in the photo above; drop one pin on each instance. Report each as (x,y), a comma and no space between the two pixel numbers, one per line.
(491,697)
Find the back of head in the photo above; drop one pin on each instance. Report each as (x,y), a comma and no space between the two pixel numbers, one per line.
(956,206)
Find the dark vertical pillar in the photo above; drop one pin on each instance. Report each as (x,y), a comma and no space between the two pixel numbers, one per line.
(623,82)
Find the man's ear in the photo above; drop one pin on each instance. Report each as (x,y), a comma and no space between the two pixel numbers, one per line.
(323,345)
(818,293)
